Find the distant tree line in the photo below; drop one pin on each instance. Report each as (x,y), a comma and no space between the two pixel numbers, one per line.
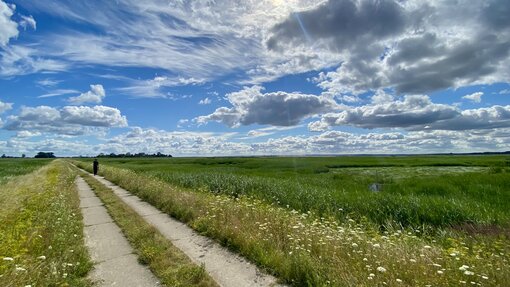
(140,154)
(45,155)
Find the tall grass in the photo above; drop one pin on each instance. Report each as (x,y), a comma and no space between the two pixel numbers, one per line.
(305,249)
(41,239)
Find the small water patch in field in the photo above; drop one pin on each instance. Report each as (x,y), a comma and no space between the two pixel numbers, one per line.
(375,187)
(403,172)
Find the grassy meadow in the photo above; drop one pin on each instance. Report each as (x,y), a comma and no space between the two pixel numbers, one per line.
(417,190)
(41,231)
(11,167)
(437,220)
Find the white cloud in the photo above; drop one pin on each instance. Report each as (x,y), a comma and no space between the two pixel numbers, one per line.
(476,119)
(153,88)
(205,101)
(27,134)
(175,143)
(267,131)
(95,95)
(188,38)
(98,116)
(223,144)
(415,113)
(8,28)
(412,111)
(69,120)
(319,126)
(59,92)
(21,60)
(504,92)
(474,97)
(5,107)
(251,106)
(48,82)
(28,21)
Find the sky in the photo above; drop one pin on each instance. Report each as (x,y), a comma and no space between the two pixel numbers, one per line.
(254,77)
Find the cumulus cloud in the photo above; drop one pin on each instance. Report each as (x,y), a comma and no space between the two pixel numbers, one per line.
(175,143)
(340,23)
(251,106)
(411,111)
(415,113)
(8,27)
(474,97)
(413,47)
(5,107)
(483,118)
(222,144)
(69,120)
(95,95)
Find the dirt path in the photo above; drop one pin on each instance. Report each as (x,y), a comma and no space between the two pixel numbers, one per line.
(225,267)
(116,265)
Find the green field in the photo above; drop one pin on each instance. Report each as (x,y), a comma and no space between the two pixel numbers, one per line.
(11,167)
(417,191)
(313,221)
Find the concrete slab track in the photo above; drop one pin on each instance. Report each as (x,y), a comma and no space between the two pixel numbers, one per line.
(116,265)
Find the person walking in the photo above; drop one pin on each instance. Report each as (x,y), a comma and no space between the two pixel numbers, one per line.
(95,166)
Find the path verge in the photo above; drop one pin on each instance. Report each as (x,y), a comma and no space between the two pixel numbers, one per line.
(227,268)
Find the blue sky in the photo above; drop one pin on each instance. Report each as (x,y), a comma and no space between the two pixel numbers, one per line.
(268,77)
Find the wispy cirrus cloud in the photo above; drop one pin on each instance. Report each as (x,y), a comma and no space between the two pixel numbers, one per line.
(48,82)
(154,88)
(59,92)
(18,60)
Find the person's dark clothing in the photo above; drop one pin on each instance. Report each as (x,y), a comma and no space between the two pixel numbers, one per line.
(95,166)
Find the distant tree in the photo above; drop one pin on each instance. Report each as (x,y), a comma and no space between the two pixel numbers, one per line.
(4,156)
(44,155)
(23,155)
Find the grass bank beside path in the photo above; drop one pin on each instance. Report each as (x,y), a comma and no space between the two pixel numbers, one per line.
(166,261)
(41,239)
(304,249)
